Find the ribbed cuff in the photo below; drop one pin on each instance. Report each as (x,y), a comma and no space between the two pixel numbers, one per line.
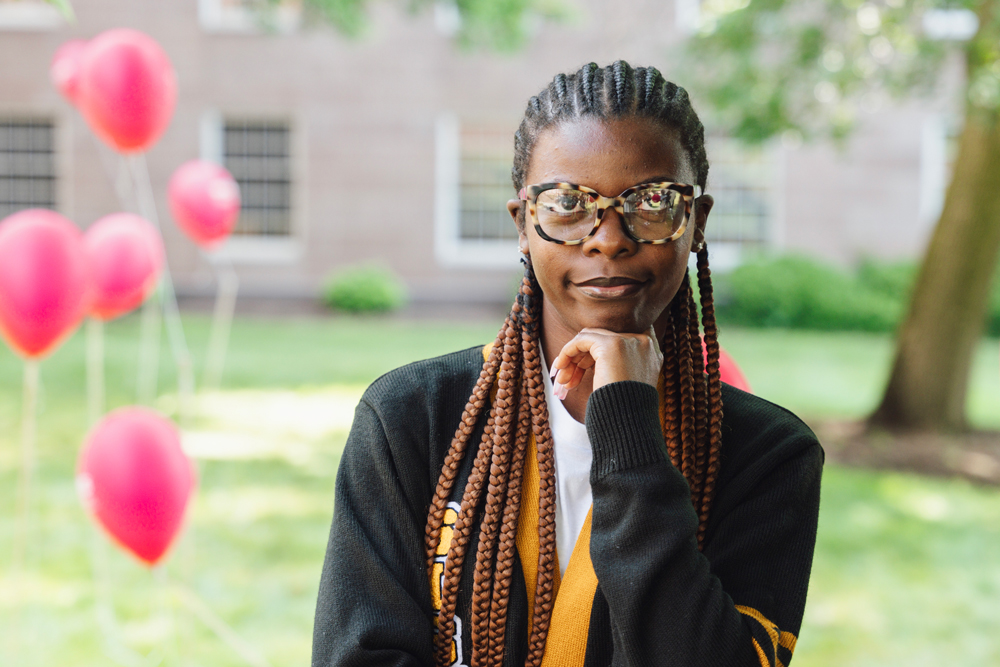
(623,423)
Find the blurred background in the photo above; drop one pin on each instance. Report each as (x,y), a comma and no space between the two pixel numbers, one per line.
(372,145)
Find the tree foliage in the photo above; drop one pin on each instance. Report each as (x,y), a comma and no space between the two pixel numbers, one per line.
(808,67)
(498,25)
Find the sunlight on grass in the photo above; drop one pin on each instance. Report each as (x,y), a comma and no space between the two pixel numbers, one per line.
(819,375)
(907,569)
(904,572)
(260,424)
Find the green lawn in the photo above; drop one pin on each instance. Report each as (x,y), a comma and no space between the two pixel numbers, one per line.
(907,570)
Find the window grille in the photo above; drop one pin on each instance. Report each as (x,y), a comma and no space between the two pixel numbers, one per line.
(743,182)
(258,156)
(485,187)
(27,165)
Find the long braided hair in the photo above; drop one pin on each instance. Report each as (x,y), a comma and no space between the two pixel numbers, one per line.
(691,403)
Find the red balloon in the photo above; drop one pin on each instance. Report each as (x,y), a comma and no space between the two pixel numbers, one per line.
(731,373)
(135,479)
(126,257)
(728,370)
(127,89)
(65,68)
(205,201)
(44,280)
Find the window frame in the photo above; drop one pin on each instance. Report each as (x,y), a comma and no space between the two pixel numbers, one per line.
(450,249)
(59,189)
(259,249)
(728,254)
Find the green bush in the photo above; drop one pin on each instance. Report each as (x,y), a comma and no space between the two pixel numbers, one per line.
(797,292)
(801,293)
(364,289)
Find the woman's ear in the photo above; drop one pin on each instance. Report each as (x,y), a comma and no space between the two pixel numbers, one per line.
(702,207)
(514,207)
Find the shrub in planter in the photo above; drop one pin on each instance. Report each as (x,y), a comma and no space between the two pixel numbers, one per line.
(364,289)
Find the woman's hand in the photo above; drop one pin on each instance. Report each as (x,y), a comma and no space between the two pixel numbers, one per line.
(613,356)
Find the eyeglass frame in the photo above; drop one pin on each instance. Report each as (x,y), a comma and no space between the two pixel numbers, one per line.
(689,193)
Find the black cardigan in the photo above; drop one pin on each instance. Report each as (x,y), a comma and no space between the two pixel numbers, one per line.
(659,600)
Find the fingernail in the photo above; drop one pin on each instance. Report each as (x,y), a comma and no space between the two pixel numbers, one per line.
(552,373)
(560,391)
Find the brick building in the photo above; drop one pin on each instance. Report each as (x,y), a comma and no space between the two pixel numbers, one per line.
(395,147)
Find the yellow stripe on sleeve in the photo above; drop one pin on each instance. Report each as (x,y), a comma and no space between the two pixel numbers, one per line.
(760,654)
(785,639)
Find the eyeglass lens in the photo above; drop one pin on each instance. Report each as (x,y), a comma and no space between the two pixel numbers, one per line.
(651,214)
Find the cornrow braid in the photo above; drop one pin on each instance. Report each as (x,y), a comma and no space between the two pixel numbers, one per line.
(616,91)
(690,405)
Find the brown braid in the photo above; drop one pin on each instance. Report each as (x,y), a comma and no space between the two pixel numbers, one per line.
(669,402)
(685,355)
(691,403)
(714,390)
(457,452)
(500,460)
(700,406)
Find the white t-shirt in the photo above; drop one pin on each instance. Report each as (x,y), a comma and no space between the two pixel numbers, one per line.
(573,455)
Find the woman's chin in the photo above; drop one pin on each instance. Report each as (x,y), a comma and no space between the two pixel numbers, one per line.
(621,322)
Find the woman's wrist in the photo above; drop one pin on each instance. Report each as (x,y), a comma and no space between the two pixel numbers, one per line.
(623,425)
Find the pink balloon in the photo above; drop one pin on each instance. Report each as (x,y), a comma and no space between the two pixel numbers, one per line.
(126,257)
(728,370)
(135,479)
(44,280)
(65,68)
(127,89)
(205,201)
(731,373)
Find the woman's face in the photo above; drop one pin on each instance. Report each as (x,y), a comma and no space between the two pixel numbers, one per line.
(609,281)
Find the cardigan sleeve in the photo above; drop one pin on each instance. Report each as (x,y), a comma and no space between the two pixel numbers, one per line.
(373,606)
(740,601)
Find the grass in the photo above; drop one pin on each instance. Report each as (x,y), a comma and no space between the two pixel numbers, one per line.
(907,569)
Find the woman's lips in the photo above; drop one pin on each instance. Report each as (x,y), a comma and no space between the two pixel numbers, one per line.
(610,288)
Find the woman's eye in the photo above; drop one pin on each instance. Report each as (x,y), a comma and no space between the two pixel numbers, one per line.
(567,204)
(656,201)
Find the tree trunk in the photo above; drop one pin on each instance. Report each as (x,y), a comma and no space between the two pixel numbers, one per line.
(927,386)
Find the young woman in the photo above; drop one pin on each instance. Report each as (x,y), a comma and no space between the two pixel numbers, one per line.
(630,511)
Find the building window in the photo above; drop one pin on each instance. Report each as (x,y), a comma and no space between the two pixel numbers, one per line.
(486,155)
(27,165)
(29,15)
(744,183)
(472,225)
(258,156)
(250,16)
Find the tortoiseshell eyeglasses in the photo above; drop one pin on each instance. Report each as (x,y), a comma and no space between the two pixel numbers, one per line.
(569,214)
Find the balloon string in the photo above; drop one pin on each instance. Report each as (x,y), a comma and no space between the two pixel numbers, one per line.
(28,434)
(29,406)
(166,613)
(107,619)
(222,319)
(222,630)
(149,349)
(114,648)
(171,314)
(95,369)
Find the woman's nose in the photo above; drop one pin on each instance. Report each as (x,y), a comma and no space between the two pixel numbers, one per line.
(610,238)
